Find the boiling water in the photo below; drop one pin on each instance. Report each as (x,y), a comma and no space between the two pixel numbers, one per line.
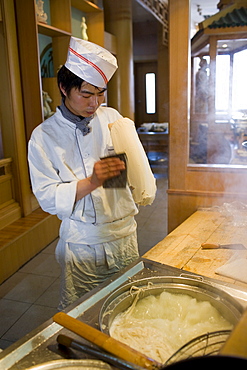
(159,325)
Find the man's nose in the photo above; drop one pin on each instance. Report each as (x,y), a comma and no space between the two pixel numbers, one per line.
(94,100)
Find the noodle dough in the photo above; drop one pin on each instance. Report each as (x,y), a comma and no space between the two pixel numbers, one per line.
(140,177)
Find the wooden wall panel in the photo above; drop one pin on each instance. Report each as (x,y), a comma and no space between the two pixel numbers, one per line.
(23,239)
(179,102)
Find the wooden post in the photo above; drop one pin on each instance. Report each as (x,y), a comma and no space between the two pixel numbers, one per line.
(118,15)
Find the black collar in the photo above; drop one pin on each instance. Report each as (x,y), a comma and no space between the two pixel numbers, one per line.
(80,121)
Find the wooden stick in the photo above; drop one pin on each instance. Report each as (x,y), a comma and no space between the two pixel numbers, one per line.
(98,353)
(105,342)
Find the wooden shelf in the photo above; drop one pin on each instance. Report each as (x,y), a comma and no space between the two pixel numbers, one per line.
(85,6)
(24,238)
(60,30)
(51,31)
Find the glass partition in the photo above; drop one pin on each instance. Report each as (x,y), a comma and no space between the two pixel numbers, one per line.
(218,119)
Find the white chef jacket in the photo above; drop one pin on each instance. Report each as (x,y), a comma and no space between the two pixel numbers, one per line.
(59,156)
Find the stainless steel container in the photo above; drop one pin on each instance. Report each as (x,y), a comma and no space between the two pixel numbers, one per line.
(40,345)
(123,297)
(70,364)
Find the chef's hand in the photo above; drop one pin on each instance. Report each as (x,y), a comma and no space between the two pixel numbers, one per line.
(105,169)
(102,171)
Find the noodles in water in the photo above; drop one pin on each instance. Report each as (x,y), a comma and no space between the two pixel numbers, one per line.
(159,325)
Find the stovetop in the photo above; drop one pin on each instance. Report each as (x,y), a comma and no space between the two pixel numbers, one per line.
(41,346)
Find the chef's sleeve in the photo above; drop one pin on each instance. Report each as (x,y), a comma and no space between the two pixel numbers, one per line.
(54,195)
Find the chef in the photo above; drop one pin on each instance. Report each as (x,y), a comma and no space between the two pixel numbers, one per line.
(98,229)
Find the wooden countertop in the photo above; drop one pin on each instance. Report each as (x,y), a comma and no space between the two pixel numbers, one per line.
(182,247)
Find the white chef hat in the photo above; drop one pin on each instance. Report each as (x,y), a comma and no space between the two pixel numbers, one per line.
(90,62)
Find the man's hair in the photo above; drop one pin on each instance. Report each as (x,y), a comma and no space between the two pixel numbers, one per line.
(68,80)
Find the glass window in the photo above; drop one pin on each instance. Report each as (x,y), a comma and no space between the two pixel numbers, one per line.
(239,83)
(222,83)
(150,93)
(218,119)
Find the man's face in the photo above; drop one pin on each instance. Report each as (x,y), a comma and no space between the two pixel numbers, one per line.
(84,101)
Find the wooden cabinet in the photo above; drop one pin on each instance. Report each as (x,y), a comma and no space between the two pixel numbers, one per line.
(25,228)
(58,28)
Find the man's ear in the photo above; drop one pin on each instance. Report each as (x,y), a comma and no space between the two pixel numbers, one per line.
(62,89)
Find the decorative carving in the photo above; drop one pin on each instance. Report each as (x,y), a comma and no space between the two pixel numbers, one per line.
(84,35)
(41,15)
(201,101)
(46,104)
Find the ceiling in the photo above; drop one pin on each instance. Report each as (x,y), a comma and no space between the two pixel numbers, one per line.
(140,14)
(201,9)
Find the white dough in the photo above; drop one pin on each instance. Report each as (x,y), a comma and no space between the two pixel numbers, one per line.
(140,177)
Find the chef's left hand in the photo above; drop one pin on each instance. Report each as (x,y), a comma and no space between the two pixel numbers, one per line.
(102,171)
(105,169)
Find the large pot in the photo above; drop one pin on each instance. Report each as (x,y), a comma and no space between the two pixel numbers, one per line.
(197,288)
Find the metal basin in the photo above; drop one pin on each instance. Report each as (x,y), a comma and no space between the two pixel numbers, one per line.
(122,298)
(71,364)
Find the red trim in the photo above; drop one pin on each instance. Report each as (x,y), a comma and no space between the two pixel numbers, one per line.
(91,64)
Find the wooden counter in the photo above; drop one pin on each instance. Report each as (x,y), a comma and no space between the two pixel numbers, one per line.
(182,247)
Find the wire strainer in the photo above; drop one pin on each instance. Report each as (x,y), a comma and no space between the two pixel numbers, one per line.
(204,345)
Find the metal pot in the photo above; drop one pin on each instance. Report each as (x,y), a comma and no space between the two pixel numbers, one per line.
(197,288)
(70,364)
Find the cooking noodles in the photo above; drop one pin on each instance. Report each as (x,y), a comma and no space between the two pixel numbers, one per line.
(159,325)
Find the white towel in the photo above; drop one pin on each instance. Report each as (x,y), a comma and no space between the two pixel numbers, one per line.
(235,268)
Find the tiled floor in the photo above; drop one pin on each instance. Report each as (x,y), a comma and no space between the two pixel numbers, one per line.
(30,296)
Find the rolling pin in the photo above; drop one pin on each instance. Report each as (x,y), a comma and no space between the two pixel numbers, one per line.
(105,342)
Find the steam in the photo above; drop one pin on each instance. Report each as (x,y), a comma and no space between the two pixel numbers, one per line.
(235,213)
